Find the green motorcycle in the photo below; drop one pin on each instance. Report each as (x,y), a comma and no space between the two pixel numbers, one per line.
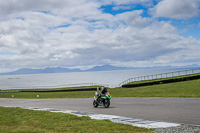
(102,100)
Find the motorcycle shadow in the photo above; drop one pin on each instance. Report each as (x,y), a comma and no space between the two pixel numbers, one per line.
(102,107)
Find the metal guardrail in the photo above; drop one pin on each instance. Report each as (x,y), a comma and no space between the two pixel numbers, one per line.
(82,84)
(9,91)
(58,86)
(65,90)
(162,75)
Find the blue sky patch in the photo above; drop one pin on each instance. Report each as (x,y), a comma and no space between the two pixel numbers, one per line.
(21,18)
(188,27)
(7,53)
(45,12)
(194,32)
(117,9)
(60,26)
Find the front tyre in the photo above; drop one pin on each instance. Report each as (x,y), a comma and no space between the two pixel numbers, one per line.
(107,103)
(95,104)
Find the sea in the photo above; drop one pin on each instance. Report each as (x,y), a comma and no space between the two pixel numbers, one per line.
(110,79)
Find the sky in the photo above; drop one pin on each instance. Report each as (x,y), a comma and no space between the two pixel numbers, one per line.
(86,33)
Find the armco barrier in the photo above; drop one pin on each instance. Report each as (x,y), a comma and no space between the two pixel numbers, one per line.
(162,81)
(162,75)
(9,91)
(84,89)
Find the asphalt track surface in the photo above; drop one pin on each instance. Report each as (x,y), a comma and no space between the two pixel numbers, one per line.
(176,110)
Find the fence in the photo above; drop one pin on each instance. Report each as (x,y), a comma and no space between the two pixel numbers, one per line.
(82,84)
(57,86)
(9,91)
(76,85)
(162,75)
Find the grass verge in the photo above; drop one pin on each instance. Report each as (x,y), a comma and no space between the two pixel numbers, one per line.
(23,120)
(46,95)
(179,89)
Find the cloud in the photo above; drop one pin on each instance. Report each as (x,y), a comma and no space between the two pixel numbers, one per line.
(67,54)
(126,2)
(77,33)
(176,9)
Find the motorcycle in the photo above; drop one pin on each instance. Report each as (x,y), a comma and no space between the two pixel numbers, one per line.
(102,100)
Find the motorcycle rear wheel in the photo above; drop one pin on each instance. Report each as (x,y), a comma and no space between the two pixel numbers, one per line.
(95,104)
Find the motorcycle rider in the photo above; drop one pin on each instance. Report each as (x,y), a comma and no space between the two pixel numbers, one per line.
(103,92)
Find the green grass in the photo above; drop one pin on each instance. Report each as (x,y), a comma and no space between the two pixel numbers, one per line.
(28,121)
(179,89)
(46,95)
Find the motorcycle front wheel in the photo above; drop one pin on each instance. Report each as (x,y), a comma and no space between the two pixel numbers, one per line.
(95,104)
(107,103)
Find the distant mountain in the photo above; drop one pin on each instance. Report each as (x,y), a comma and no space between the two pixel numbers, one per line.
(40,71)
(192,66)
(63,70)
(96,68)
(108,68)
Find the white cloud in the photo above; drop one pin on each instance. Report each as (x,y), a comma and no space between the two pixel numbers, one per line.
(67,54)
(77,33)
(177,9)
(125,2)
